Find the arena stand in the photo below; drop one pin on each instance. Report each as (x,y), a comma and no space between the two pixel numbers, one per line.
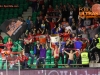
(8,13)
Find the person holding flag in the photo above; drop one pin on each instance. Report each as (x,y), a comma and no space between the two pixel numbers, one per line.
(56,51)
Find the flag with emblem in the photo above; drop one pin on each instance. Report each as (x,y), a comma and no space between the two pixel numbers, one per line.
(13,28)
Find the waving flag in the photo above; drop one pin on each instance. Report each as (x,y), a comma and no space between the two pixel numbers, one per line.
(13,28)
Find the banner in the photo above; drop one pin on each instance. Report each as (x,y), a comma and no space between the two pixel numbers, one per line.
(13,28)
(80,71)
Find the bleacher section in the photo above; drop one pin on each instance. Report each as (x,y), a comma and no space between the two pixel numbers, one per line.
(12,12)
(8,13)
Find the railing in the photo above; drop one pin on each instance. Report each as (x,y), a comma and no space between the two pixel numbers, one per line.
(8,68)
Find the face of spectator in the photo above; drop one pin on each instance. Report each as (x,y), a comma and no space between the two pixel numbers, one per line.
(61,4)
(50,6)
(60,11)
(56,6)
(43,6)
(73,20)
(96,36)
(64,6)
(43,21)
(29,18)
(92,27)
(66,30)
(56,29)
(53,20)
(71,9)
(71,51)
(59,25)
(37,42)
(29,33)
(40,17)
(38,32)
(73,35)
(37,18)
(69,31)
(9,39)
(64,19)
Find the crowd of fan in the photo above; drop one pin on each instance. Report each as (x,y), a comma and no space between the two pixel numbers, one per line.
(75,34)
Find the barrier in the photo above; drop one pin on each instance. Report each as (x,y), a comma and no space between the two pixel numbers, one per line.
(7,67)
(80,71)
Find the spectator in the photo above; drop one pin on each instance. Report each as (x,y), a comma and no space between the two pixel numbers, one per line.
(69,45)
(61,50)
(37,22)
(65,12)
(43,27)
(71,13)
(64,23)
(56,54)
(37,49)
(9,44)
(94,47)
(41,2)
(42,56)
(87,22)
(85,58)
(56,8)
(29,23)
(34,5)
(50,9)
(27,51)
(2,51)
(44,10)
(73,26)
(52,24)
(71,57)
(92,31)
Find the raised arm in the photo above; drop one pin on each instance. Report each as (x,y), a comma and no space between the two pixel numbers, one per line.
(46,46)
(75,52)
(66,52)
(51,47)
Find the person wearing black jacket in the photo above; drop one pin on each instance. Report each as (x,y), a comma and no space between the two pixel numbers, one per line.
(93,48)
(27,51)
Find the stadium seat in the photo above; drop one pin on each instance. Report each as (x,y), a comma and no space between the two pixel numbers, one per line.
(15,49)
(15,15)
(25,6)
(47,66)
(11,11)
(15,11)
(5,39)
(20,11)
(0,21)
(8,2)
(10,16)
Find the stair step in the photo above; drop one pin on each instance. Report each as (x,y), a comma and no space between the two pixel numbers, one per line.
(27,12)
(27,15)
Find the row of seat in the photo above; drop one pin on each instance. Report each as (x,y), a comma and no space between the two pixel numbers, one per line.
(12,2)
(74,2)
(8,13)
